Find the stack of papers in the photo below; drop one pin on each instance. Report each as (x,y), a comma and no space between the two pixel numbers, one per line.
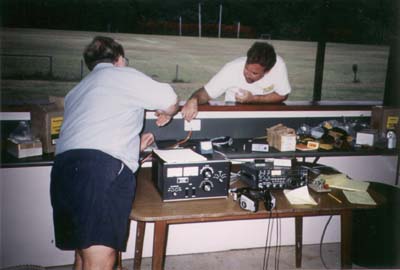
(341,181)
(355,191)
(359,197)
(179,155)
(299,196)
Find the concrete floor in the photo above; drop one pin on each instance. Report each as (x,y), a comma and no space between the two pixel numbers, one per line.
(247,259)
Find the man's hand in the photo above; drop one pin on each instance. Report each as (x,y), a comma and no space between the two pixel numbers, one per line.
(244,96)
(162,118)
(146,140)
(190,109)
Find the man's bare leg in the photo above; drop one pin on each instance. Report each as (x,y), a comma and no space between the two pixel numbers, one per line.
(98,258)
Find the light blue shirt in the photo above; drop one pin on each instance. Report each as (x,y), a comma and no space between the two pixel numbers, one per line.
(105,111)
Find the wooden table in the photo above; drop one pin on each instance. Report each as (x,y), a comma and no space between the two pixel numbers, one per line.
(148,207)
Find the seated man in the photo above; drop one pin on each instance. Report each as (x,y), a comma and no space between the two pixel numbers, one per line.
(261,77)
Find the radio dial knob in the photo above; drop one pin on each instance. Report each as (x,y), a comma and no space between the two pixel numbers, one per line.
(207,187)
(207,173)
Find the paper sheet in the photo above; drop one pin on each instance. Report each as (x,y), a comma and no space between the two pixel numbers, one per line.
(299,196)
(179,155)
(359,197)
(341,181)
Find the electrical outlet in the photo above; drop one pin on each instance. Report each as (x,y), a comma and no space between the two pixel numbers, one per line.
(194,125)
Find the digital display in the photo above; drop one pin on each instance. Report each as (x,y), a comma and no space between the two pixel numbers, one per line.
(174,172)
(191,171)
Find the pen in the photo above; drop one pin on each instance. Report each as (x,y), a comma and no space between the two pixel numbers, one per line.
(334,197)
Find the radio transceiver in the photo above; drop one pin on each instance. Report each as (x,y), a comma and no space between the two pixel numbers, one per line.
(266,175)
(191,179)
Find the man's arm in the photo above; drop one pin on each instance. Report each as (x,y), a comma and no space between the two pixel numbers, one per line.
(164,116)
(146,140)
(190,109)
(248,97)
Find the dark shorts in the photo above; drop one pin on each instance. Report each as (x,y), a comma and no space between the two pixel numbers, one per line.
(91,194)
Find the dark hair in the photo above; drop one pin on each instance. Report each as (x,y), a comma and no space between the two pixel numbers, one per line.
(263,54)
(102,50)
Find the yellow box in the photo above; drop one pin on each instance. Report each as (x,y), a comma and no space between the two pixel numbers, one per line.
(46,120)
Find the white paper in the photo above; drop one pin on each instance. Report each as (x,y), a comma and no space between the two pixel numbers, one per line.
(359,197)
(179,155)
(299,196)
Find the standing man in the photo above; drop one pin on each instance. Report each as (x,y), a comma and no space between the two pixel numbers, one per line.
(92,179)
(261,77)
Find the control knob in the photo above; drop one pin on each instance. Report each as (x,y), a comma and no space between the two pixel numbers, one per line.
(207,172)
(206,186)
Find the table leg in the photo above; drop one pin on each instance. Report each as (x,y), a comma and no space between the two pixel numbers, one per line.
(119,261)
(140,229)
(159,244)
(346,239)
(299,240)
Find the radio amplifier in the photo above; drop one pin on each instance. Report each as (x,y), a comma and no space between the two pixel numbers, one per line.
(205,179)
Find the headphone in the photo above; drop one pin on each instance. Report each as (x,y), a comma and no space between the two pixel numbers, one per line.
(249,198)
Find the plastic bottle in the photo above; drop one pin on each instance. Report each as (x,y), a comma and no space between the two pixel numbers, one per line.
(22,132)
(391,139)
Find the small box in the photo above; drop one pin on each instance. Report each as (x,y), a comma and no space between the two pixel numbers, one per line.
(367,137)
(286,142)
(313,145)
(24,149)
(384,119)
(46,121)
(271,133)
(282,138)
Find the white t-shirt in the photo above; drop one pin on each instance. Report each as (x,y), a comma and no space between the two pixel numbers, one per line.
(105,111)
(230,79)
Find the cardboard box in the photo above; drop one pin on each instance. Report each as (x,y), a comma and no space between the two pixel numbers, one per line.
(46,121)
(384,119)
(282,138)
(271,133)
(58,101)
(286,142)
(24,149)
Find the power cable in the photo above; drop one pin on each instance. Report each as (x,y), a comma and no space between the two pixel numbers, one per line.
(278,241)
(322,239)
(268,241)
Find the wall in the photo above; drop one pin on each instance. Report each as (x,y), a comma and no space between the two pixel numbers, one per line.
(27,226)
